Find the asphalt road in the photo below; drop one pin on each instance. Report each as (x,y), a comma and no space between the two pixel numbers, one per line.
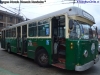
(13,64)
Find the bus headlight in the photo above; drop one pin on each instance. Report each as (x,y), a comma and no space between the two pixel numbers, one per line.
(85,53)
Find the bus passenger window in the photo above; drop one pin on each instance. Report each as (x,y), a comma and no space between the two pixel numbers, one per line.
(10,33)
(43,28)
(6,33)
(33,29)
(14,32)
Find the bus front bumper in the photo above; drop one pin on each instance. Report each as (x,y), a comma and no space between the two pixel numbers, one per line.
(87,65)
(96,60)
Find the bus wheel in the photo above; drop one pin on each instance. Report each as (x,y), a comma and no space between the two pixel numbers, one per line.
(42,58)
(9,50)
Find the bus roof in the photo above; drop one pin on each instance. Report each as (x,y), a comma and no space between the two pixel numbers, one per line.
(70,11)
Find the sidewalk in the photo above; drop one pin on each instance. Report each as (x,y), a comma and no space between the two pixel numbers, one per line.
(3,71)
(6,72)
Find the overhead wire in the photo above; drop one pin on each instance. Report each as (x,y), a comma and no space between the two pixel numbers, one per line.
(41,4)
(12,11)
(21,8)
(7,9)
(48,5)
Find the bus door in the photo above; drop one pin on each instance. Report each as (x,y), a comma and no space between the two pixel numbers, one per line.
(24,40)
(58,40)
(3,39)
(18,39)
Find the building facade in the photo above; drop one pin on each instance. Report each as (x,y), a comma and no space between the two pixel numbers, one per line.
(8,19)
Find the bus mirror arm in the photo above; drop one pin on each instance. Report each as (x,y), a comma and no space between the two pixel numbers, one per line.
(71,24)
(97,31)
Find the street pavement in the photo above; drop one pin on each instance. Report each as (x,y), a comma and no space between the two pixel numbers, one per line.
(2,70)
(13,64)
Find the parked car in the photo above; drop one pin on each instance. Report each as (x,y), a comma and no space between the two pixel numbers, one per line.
(99,48)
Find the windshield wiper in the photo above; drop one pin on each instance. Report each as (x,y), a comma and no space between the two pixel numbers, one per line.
(81,28)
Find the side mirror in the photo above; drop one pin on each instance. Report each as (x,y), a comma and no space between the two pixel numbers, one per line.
(71,24)
(97,31)
(91,33)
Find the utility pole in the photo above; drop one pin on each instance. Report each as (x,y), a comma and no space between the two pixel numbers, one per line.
(19,7)
(73,2)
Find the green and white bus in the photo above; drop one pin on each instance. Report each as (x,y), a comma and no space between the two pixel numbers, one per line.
(63,39)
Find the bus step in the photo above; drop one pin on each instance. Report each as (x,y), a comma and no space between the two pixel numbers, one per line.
(59,65)
(19,53)
(61,60)
(25,55)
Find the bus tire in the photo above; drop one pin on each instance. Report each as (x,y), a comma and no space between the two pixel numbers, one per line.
(9,48)
(42,58)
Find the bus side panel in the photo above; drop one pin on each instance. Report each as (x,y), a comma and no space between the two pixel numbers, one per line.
(33,44)
(91,46)
(13,43)
(7,40)
(31,47)
(71,54)
(85,45)
(46,43)
(96,48)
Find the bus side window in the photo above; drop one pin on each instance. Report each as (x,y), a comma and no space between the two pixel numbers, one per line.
(14,32)
(32,29)
(6,33)
(9,32)
(43,28)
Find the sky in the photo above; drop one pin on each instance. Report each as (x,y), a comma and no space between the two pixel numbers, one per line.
(33,10)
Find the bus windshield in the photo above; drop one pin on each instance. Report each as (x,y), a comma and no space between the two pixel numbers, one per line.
(95,34)
(85,29)
(75,32)
(81,30)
